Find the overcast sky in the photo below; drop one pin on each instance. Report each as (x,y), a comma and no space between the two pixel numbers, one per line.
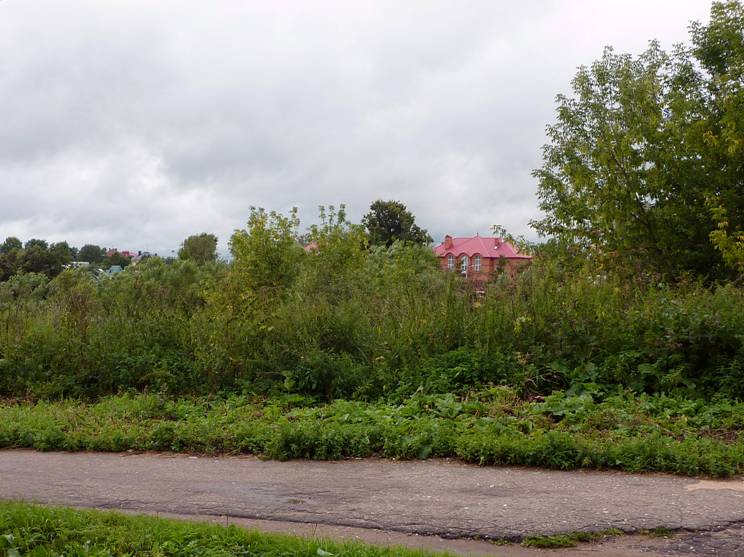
(136,123)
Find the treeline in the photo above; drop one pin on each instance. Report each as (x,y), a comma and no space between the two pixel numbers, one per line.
(344,320)
(49,259)
(36,256)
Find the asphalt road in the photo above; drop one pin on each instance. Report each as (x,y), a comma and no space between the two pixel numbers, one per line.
(434,497)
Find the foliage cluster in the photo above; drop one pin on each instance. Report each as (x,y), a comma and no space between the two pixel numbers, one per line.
(32,530)
(346,321)
(388,221)
(622,431)
(42,257)
(35,256)
(200,248)
(645,164)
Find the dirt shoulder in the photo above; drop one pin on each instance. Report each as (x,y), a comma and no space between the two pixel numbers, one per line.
(439,498)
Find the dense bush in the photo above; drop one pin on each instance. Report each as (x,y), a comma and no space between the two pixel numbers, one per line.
(347,321)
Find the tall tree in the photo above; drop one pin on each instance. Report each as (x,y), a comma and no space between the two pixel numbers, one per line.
(62,253)
(643,146)
(388,221)
(38,257)
(199,248)
(719,50)
(91,253)
(10,252)
(11,243)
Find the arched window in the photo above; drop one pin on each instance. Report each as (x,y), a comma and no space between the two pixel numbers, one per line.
(451,262)
(464,265)
(477,263)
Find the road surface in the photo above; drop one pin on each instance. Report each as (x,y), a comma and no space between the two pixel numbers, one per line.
(442,498)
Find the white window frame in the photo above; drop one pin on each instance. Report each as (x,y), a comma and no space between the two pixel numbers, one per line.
(477,263)
(451,262)
(464,262)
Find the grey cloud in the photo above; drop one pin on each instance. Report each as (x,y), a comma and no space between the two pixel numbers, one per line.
(137,123)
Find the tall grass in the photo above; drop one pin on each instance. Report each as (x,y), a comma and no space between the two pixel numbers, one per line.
(353,323)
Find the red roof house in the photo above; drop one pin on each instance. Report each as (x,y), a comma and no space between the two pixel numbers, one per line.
(477,257)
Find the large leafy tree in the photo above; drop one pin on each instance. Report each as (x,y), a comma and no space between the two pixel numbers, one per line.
(644,147)
(719,50)
(388,221)
(199,248)
(10,251)
(11,243)
(38,256)
(91,253)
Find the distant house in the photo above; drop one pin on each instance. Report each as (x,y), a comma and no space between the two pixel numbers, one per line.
(114,270)
(77,265)
(311,247)
(126,253)
(477,257)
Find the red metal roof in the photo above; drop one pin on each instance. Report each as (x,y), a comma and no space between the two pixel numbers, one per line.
(484,246)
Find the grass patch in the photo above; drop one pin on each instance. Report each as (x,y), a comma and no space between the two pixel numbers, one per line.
(570,539)
(661,532)
(624,431)
(32,530)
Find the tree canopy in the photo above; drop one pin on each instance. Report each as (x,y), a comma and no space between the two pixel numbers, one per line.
(200,248)
(388,221)
(91,253)
(645,163)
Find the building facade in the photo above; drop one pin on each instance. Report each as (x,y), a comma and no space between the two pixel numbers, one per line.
(478,258)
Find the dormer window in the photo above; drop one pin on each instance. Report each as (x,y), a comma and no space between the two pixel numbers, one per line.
(451,262)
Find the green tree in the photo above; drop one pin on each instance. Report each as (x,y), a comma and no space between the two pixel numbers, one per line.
(730,244)
(40,257)
(10,252)
(266,254)
(719,50)
(91,253)
(11,243)
(62,252)
(388,221)
(199,248)
(641,148)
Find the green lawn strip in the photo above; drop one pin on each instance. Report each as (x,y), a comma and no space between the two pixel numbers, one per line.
(32,530)
(627,432)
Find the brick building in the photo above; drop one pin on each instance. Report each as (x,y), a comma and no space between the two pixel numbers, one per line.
(478,257)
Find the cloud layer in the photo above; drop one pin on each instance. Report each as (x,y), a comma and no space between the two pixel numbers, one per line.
(136,123)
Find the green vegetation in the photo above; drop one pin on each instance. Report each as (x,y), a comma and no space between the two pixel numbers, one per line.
(346,322)
(390,221)
(623,431)
(200,248)
(621,346)
(30,530)
(568,540)
(644,165)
